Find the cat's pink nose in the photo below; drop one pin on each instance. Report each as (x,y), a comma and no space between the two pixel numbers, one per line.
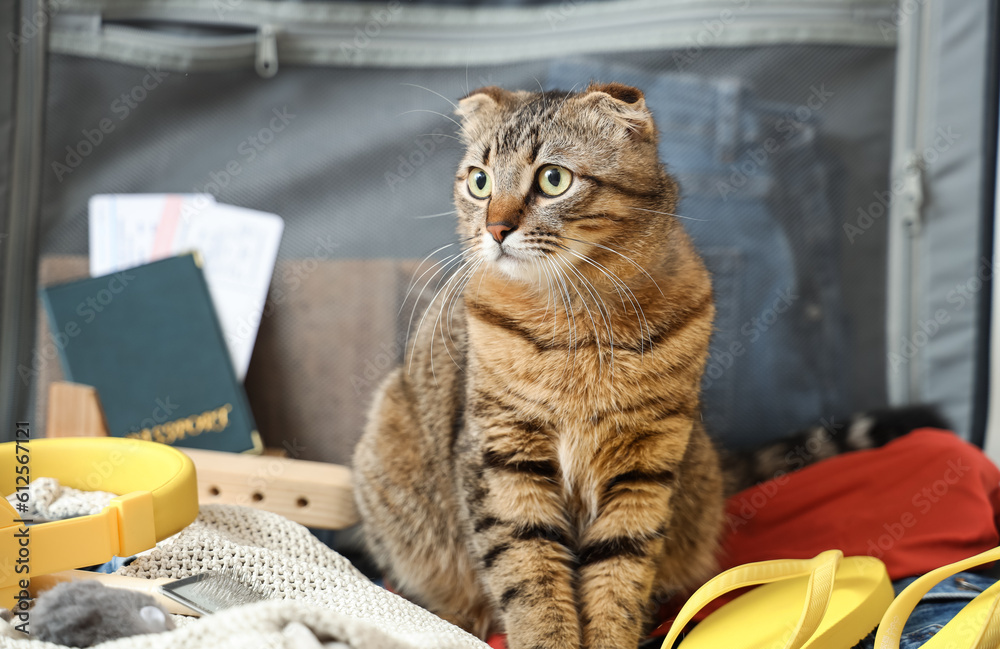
(499,230)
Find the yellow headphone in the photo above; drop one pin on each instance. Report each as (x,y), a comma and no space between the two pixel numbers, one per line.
(159,498)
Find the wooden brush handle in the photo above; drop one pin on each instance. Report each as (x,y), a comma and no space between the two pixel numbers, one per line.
(151,587)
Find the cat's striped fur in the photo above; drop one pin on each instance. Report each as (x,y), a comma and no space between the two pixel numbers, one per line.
(539,465)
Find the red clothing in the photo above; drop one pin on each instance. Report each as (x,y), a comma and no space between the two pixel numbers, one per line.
(922,501)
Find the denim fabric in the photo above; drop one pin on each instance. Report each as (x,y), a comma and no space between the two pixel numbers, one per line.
(756,202)
(939,605)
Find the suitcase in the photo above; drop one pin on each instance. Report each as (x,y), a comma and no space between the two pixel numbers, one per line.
(836,159)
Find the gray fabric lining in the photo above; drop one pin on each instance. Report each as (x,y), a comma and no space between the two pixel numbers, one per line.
(370,150)
(936,275)
(951,215)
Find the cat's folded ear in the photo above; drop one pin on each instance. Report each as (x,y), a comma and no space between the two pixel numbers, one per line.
(481,102)
(623,105)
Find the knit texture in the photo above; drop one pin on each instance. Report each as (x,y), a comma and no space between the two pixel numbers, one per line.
(51,501)
(317,598)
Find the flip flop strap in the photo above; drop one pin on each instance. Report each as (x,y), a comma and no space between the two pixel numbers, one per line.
(822,571)
(891,628)
(989,635)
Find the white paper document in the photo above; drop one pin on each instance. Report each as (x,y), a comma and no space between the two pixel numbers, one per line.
(239,247)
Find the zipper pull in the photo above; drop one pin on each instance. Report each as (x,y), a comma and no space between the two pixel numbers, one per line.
(267,51)
(912,194)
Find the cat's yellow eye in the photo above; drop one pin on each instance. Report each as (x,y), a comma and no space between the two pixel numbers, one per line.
(480,184)
(554,180)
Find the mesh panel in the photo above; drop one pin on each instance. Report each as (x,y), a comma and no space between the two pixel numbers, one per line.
(353,159)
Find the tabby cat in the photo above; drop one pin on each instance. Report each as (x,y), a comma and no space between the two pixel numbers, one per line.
(538,466)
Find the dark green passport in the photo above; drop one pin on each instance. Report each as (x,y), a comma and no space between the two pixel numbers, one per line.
(148,339)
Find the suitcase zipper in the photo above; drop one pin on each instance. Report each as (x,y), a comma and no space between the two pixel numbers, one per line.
(906,210)
(404,36)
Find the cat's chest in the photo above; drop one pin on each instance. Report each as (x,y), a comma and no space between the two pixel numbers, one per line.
(576,386)
(589,462)
(577,455)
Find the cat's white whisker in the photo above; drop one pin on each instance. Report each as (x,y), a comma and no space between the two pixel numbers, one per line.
(420,323)
(479,288)
(439,265)
(619,284)
(460,126)
(457,139)
(450,305)
(414,85)
(542,91)
(567,301)
(413,282)
(546,281)
(561,104)
(615,284)
(434,216)
(458,293)
(546,278)
(604,271)
(590,314)
(550,297)
(548,294)
(602,309)
(446,305)
(626,258)
(689,218)
(460,261)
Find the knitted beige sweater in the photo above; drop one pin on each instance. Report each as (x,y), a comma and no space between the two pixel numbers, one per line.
(319,600)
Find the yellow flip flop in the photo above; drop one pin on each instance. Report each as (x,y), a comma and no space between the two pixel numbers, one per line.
(827,602)
(977,626)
